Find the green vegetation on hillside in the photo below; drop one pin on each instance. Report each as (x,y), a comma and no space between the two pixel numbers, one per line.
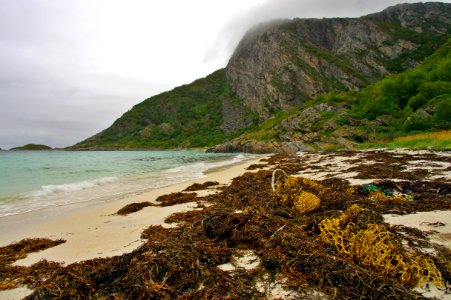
(440,140)
(32,147)
(188,116)
(415,101)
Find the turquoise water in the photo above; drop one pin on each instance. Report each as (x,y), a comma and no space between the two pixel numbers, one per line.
(31,180)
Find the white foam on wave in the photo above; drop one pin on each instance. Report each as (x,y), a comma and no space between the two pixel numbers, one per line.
(198,169)
(195,169)
(110,188)
(71,187)
(57,195)
(237,159)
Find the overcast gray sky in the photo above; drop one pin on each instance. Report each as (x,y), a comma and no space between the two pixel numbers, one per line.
(69,68)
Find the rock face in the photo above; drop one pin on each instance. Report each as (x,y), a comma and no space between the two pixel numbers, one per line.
(305,121)
(298,133)
(282,64)
(235,116)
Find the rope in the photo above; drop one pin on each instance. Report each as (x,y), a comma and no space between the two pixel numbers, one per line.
(273,179)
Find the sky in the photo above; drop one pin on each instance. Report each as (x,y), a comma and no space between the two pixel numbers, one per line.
(70,68)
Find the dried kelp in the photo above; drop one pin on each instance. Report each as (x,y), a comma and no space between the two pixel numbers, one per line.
(285,228)
(393,165)
(133,207)
(256,167)
(12,276)
(19,250)
(165,200)
(177,198)
(418,196)
(201,186)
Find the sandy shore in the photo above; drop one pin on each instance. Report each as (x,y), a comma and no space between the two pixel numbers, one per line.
(93,230)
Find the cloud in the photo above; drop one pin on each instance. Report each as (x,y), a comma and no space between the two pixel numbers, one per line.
(59,113)
(53,89)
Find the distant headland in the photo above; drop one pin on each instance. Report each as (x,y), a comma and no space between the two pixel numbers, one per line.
(32,147)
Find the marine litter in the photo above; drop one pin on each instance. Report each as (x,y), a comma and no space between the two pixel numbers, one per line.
(335,225)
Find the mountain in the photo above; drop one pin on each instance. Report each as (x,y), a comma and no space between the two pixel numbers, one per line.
(32,147)
(413,101)
(278,67)
(199,114)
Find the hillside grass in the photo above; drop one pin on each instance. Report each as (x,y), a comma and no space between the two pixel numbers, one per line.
(432,140)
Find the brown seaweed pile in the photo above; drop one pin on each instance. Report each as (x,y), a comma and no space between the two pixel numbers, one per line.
(201,186)
(133,207)
(12,276)
(177,198)
(165,200)
(307,232)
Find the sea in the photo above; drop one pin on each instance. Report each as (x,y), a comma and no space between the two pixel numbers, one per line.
(33,180)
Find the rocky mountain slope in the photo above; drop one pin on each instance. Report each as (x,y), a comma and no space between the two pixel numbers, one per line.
(416,100)
(279,66)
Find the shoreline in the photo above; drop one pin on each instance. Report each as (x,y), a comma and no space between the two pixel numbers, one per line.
(82,224)
(419,180)
(59,179)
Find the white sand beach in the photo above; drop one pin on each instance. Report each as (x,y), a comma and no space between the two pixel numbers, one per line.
(94,230)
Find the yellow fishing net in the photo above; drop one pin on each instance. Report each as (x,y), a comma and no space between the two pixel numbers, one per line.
(306,202)
(378,248)
(290,191)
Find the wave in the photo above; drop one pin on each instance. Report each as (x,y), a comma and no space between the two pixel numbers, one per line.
(47,190)
(110,188)
(198,169)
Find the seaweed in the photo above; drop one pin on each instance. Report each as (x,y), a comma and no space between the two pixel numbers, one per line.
(12,276)
(315,235)
(133,207)
(21,249)
(177,198)
(165,200)
(392,165)
(256,167)
(201,186)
